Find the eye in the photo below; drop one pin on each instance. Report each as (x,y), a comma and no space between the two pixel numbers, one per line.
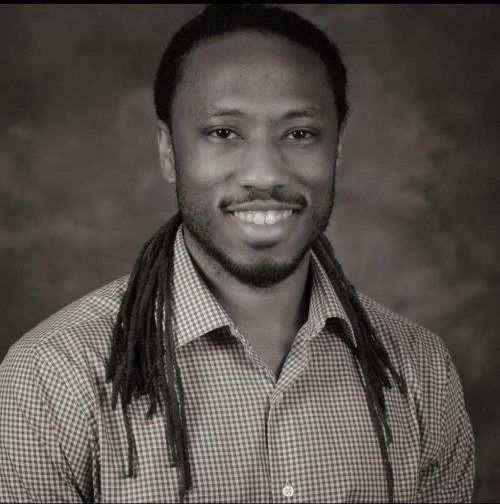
(300,134)
(222,134)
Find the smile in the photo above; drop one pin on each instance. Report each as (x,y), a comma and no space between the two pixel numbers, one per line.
(264,218)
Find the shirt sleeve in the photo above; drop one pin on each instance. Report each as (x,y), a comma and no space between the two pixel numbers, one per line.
(45,449)
(448,476)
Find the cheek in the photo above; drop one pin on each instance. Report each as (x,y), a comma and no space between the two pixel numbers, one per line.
(197,187)
(201,164)
(315,171)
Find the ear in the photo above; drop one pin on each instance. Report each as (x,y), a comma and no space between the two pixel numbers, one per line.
(339,148)
(166,151)
(339,156)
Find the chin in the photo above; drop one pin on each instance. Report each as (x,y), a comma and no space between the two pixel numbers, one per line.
(261,273)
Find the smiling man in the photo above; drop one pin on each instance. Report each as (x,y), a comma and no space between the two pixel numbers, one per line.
(237,363)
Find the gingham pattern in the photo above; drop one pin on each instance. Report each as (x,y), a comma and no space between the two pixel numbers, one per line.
(306,437)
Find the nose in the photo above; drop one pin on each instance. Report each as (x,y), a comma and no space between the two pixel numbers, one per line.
(262,166)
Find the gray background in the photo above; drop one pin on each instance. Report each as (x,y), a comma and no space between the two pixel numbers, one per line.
(415,223)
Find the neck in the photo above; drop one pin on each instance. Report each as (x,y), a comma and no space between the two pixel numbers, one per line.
(277,311)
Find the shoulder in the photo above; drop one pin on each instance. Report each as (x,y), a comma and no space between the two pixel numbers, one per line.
(402,335)
(422,358)
(71,347)
(420,354)
(96,307)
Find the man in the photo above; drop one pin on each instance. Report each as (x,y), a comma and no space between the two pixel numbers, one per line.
(237,363)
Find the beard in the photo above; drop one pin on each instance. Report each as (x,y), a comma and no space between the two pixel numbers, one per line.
(263,273)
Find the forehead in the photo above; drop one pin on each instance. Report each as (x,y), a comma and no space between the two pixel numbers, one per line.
(256,71)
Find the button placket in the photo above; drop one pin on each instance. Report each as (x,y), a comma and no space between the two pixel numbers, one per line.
(279,442)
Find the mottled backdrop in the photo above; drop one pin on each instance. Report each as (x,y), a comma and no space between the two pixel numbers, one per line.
(416,221)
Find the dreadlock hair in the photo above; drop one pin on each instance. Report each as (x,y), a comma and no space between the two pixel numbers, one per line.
(143,360)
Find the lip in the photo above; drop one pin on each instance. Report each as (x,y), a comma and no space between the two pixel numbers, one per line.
(261,236)
(263,206)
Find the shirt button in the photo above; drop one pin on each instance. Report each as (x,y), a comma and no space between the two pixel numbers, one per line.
(288,490)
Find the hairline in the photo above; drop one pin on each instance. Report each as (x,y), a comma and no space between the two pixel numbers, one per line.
(184,59)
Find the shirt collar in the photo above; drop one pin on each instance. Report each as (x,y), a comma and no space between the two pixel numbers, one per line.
(197,312)
(324,303)
(195,309)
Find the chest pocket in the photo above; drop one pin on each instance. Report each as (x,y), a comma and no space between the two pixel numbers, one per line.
(427,474)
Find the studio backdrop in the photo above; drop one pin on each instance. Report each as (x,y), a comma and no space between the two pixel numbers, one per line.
(415,222)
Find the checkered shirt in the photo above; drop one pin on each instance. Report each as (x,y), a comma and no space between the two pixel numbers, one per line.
(304,437)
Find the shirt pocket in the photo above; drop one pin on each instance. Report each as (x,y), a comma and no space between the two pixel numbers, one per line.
(426,475)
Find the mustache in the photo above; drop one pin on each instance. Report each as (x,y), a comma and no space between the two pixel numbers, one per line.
(275,194)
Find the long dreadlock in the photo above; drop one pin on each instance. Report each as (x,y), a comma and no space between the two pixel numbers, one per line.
(143,359)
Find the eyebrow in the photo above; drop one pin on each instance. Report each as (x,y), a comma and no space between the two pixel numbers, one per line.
(309,111)
(221,112)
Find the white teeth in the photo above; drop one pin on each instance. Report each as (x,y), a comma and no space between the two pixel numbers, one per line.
(270,218)
(264,218)
(259,218)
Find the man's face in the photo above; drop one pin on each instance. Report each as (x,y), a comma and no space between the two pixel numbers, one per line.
(254,135)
